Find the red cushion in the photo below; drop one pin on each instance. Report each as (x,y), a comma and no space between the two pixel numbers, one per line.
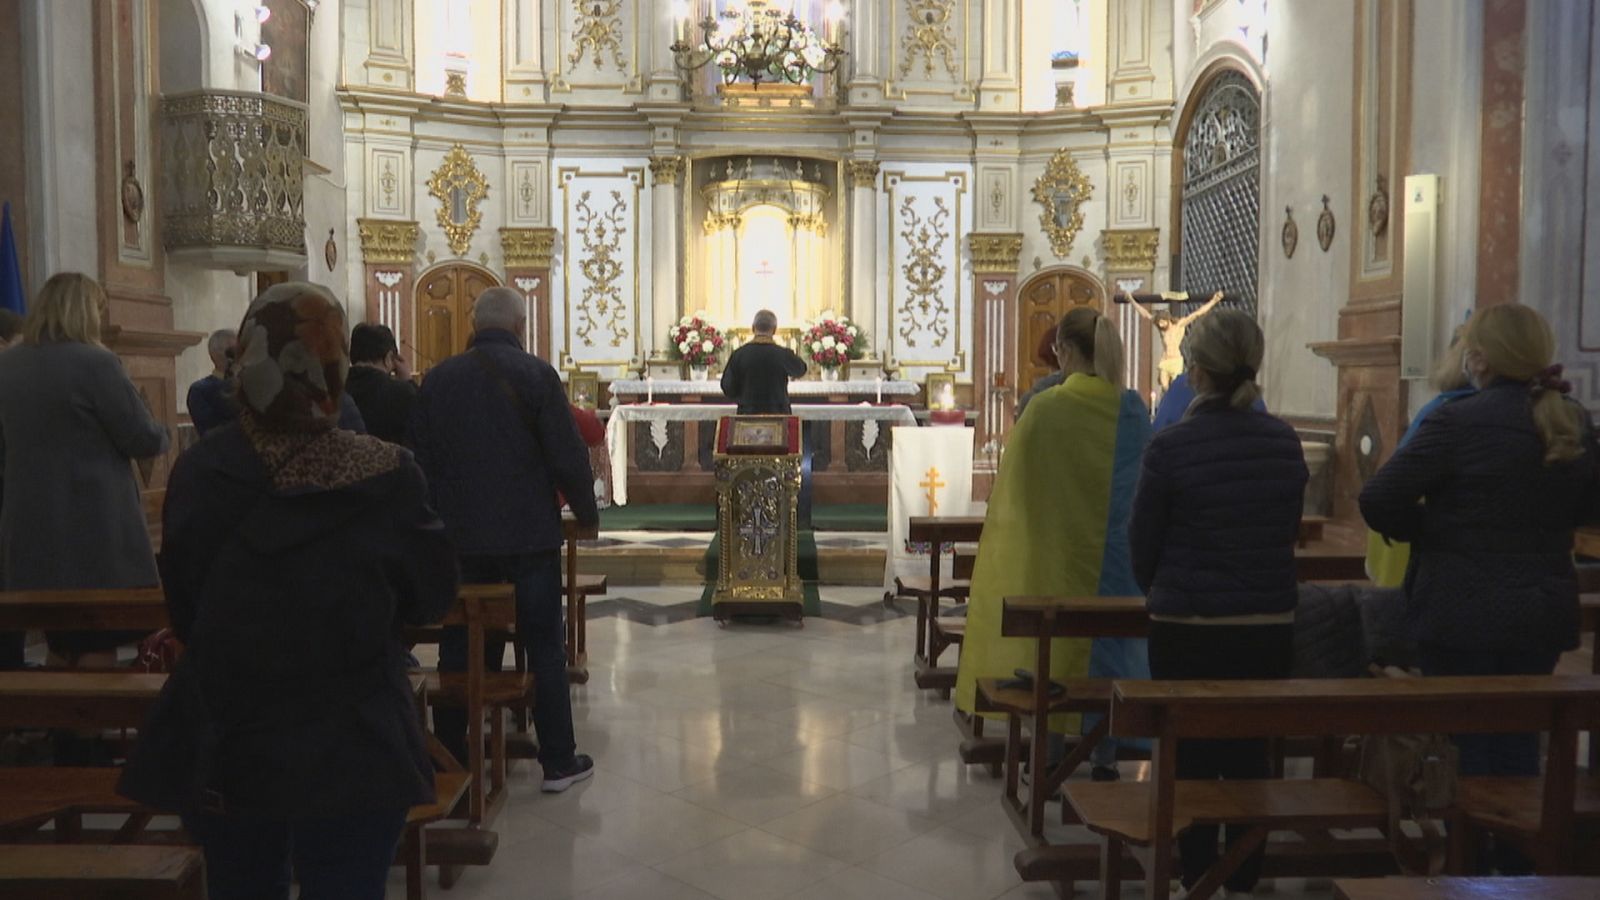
(947,417)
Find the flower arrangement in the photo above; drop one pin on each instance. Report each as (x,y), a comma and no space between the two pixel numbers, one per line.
(830,342)
(695,341)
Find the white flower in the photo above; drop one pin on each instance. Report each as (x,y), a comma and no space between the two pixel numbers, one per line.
(829,342)
(852,330)
(683,347)
(816,346)
(707,346)
(684,320)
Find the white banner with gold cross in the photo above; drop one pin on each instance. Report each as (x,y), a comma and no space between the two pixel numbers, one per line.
(930,474)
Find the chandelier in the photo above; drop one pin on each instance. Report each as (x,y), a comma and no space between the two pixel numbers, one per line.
(758,43)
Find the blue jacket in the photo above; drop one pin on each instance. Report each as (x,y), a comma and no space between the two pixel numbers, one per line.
(1217,515)
(1490,525)
(493,474)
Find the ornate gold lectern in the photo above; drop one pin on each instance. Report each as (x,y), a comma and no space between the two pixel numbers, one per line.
(758,501)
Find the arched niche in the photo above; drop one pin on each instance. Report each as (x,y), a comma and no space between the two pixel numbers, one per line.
(183,46)
(1216,165)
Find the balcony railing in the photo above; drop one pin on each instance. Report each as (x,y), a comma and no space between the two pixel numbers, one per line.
(233,182)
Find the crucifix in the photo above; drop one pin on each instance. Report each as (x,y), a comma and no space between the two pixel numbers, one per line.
(1172,329)
(932,485)
(757,529)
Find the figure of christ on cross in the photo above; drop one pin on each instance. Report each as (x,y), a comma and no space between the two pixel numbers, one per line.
(932,484)
(1172,331)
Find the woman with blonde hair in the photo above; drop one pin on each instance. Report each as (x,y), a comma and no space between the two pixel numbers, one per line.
(1057,519)
(70,422)
(1488,492)
(1213,533)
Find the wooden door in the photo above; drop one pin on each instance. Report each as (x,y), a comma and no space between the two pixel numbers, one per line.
(1045,298)
(444,311)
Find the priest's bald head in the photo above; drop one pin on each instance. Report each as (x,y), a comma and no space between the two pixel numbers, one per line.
(766,322)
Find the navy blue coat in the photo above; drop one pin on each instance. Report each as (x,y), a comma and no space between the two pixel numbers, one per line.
(1217,515)
(1490,525)
(494,480)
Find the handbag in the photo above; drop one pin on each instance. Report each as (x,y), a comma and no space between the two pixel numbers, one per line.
(1416,774)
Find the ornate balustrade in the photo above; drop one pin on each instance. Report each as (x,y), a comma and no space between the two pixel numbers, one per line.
(232,191)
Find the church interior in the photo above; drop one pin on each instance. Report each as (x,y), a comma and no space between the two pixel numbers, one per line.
(768,630)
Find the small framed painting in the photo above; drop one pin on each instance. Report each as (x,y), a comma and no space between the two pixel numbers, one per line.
(939,390)
(664,369)
(583,389)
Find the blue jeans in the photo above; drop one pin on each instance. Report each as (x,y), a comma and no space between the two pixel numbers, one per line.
(537,577)
(343,858)
(1491,754)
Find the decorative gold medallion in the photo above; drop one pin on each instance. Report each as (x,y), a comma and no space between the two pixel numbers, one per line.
(1062,190)
(1291,233)
(928,32)
(459,187)
(132,195)
(1378,209)
(330,251)
(1325,226)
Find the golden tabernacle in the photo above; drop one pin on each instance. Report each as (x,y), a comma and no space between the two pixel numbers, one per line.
(758,498)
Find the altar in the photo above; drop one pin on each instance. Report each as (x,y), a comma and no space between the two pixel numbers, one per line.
(636,390)
(664,452)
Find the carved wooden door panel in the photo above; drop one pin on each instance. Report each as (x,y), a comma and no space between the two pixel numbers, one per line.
(444,311)
(1044,300)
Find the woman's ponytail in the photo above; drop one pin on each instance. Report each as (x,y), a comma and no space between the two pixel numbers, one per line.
(1094,339)
(1516,343)
(1228,346)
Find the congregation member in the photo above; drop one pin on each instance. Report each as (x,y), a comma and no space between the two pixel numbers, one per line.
(380,382)
(1046,353)
(293,554)
(210,399)
(1387,559)
(493,431)
(1213,532)
(757,375)
(71,421)
(1057,520)
(1488,492)
(12,643)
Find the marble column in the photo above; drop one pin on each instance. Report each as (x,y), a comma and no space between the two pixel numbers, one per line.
(666,246)
(527,252)
(862,174)
(994,287)
(389,269)
(865,59)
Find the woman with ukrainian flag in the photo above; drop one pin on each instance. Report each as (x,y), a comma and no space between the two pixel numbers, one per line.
(1057,523)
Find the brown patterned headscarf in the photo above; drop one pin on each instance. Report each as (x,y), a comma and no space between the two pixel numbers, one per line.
(293,358)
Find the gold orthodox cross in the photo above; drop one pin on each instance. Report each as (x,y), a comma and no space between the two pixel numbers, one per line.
(932,485)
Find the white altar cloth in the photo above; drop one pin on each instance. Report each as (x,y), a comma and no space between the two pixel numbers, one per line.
(617,426)
(711,388)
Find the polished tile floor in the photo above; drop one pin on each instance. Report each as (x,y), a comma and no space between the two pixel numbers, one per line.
(754,762)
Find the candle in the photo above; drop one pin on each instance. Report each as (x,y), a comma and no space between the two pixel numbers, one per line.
(649,389)
(879,379)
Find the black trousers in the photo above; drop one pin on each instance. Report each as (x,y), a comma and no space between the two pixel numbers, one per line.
(1220,653)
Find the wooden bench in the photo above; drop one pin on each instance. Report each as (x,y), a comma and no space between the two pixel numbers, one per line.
(78,871)
(1150,815)
(578,589)
(938,532)
(448,789)
(128,609)
(78,700)
(1466,889)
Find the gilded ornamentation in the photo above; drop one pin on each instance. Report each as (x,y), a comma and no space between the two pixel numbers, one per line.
(1131,251)
(459,187)
(997,197)
(924,309)
(597,29)
(863,172)
(804,201)
(529,248)
(330,251)
(927,33)
(526,191)
(132,195)
(995,254)
(455,85)
(758,500)
(1062,190)
(233,176)
(602,306)
(386,242)
(1325,226)
(666,169)
(1378,209)
(1291,233)
(387,181)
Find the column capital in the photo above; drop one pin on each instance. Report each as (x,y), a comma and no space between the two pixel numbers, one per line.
(529,248)
(1131,250)
(666,170)
(388,241)
(863,172)
(995,254)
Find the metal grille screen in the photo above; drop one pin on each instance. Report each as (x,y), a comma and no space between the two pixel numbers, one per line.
(1221,213)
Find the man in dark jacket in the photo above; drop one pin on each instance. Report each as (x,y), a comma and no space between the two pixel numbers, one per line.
(493,432)
(380,382)
(210,400)
(757,375)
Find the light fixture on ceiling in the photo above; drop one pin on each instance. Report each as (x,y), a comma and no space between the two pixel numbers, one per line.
(758,43)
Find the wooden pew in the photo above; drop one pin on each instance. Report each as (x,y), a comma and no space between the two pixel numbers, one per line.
(937,532)
(578,588)
(1151,814)
(1466,889)
(78,700)
(128,609)
(1586,541)
(78,871)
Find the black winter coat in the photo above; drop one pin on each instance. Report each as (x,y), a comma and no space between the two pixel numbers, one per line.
(385,402)
(493,473)
(1490,525)
(757,377)
(291,697)
(1217,515)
